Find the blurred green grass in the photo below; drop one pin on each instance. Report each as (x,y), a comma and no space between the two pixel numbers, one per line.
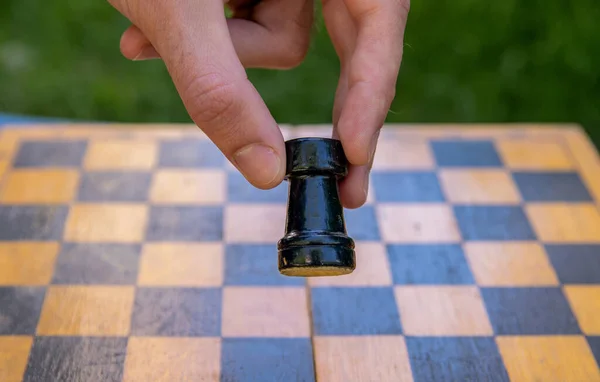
(464,61)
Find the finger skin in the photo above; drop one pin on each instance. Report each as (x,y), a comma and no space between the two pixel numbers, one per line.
(193,40)
(355,187)
(221,100)
(135,46)
(274,34)
(211,79)
(264,40)
(368,37)
(372,74)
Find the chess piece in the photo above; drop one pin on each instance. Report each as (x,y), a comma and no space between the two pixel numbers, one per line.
(315,241)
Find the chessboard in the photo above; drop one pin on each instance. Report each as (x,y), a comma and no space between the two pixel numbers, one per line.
(138,253)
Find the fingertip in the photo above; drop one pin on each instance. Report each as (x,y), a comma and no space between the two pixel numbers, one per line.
(147,53)
(359,131)
(261,165)
(135,46)
(354,189)
(359,145)
(352,198)
(131,42)
(355,149)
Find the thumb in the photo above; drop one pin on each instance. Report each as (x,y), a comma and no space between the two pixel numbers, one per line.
(193,40)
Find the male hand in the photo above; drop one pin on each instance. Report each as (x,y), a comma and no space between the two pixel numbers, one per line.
(206,56)
(368,36)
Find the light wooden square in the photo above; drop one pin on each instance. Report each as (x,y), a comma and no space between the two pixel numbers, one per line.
(117,223)
(254,223)
(87,311)
(181,264)
(14,353)
(510,264)
(121,155)
(265,312)
(3,167)
(565,223)
(9,145)
(442,311)
(188,187)
(585,303)
(27,263)
(554,358)
(312,131)
(532,155)
(39,186)
(172,359)
(479,186)
(423,223)
(395,154)
(372,268)
(364,358)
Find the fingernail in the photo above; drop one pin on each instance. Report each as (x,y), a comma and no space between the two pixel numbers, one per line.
(373,146)
(366,187)
(145,54)
(258,163)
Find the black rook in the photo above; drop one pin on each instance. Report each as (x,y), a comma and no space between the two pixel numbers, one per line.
(315,241)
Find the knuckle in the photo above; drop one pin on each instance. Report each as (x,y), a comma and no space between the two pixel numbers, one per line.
(402,7)
(293,40)
(295,56)
(125,7)
(293,51)
(405,4)
(211,99)
(390,93)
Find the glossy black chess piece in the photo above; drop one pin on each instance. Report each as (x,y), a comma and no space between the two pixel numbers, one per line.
(315,241)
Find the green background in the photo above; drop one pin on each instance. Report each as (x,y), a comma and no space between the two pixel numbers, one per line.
(464,61)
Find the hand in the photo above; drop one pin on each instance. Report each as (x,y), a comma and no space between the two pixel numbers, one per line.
(368,37)
(206,55)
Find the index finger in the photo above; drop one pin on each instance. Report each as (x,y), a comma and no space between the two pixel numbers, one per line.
(193,40)
(372,74)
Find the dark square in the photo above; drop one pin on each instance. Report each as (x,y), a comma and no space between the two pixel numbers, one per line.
(529,311)
(185,223)
(493,223)
(575,264)
(20,309)
(254,264)
(355,311)
(429,264)
(76,359)
(267,359)
(32,222)
(177,312)
(457,153)
(551,187)
(68,153)
(594,343)
(240,191)
(190,153)
(361,223)
(114,186)
(97,264)
(407,187)
(455,359)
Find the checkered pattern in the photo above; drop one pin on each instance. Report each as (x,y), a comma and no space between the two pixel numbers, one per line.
(143,255)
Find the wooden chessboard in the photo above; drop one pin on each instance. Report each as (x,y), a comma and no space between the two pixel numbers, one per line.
(137,253)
